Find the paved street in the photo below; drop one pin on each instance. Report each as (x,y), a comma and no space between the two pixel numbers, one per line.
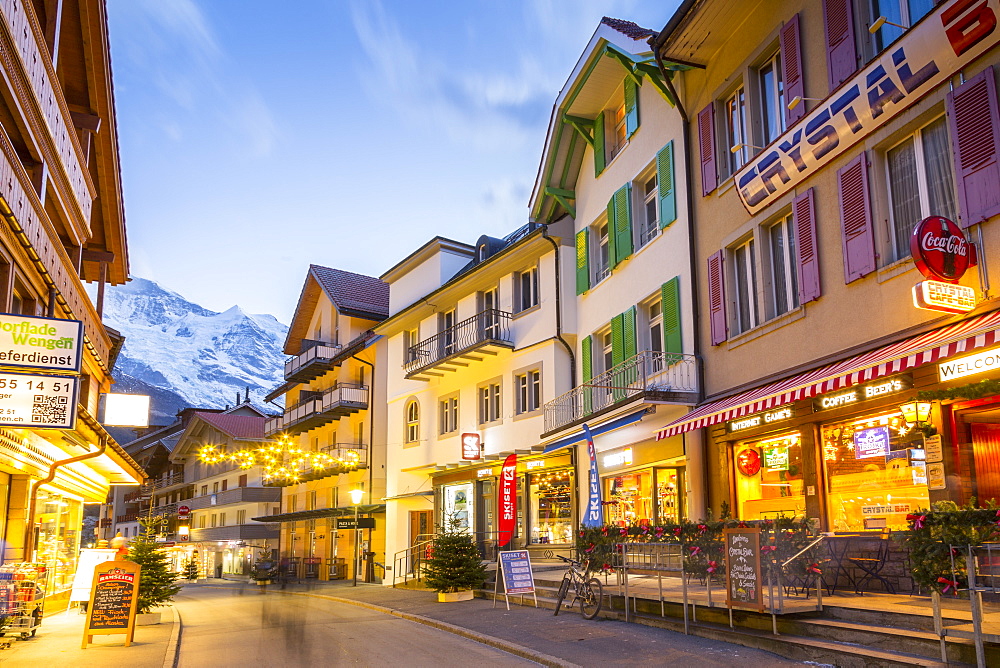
(228,624)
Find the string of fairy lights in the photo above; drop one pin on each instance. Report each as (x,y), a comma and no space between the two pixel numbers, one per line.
(282,460)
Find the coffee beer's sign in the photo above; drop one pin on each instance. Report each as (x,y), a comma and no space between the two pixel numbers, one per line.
(927,55)
(759,419)
(861,393)
(942,254)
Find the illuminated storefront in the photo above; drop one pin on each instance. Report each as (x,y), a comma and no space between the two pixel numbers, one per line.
(641,487)
(769,477)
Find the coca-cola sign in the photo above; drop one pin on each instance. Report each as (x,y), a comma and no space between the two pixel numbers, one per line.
(940,250)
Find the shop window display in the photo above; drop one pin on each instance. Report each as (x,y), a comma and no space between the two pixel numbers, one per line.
(669,496)
(769,481)
(59,518)
(875,472)
(551,497)
(629,498)
(458,506)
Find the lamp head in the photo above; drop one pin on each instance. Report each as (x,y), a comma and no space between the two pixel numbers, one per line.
(356,496)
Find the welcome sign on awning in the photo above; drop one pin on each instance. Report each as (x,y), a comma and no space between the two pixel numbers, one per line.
(942,43)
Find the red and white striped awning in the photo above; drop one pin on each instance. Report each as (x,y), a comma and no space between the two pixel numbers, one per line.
(961,337)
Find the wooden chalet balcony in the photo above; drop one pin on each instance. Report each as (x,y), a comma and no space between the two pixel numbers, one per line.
(319,409)
(472,339)
(312,362)
(650,375)
(121,519)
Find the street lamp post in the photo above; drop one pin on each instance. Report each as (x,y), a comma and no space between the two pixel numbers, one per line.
(356,496)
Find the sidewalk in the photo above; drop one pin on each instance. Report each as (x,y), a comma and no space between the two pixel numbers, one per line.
(57,645)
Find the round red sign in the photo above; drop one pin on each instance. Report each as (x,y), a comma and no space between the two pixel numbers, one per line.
(183,511)
(748,462)
(939,249)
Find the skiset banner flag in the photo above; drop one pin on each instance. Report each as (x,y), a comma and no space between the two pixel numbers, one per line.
(508,500)
(594,517)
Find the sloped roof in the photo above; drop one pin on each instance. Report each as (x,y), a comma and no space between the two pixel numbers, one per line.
(627,28)
(353,292)
(236,426)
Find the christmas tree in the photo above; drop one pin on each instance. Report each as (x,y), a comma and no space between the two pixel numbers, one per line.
(191,569)
(157,583)
(454,564)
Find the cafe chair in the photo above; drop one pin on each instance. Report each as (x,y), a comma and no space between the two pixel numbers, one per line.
(871,566)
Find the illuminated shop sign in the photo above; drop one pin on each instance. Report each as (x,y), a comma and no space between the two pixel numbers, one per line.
(969,365)
(471,447)
(947,297)
(759,419)
(40,343)
(942,43)
(776,458)
(484,473)
(748,462)
(536,464)
(622,458)
(863,393)
(872,442)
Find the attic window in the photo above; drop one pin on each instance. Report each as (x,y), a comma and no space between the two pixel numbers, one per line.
(483,249)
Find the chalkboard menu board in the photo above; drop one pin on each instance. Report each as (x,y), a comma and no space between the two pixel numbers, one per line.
(743,576)
(517,575)
(113,598)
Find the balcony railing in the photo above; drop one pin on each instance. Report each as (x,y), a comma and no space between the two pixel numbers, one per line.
(130,517)
(312,362)
(484,330)
(164,510)
(164,481)
(317,410)
(665,377)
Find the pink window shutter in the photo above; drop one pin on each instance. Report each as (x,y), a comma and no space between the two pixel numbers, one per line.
(807,257)
(856,219)
(707,144)
(975,135)
(716,299)
(791,66)
(841,52)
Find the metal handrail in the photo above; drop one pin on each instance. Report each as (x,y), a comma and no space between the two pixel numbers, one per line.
(340,393)
(322,351)
(647,371)
(488,325)
(798,554)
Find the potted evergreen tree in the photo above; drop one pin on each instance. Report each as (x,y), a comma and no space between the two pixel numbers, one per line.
(191,570)
(157,582)
(454,568)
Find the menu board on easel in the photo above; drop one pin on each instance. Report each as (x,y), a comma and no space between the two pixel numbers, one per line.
(743,575)
(113,598)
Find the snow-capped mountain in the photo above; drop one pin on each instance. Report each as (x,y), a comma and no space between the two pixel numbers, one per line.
(185,355)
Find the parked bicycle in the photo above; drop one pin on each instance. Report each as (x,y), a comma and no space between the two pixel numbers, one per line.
(589,591)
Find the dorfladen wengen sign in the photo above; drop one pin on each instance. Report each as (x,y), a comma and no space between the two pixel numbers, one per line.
(927,55)
(40,343)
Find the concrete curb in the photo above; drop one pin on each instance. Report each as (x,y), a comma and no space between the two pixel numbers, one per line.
(174,644)
(509,647)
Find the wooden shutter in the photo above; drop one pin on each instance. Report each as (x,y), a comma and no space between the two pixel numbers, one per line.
(806,255)
(623,223)
(617,340)
(612,237)
(631,107)
(841,51)
(670,294)
(599,144)
(856,219)
(587,358)
(707,144)
(975,135)
(628,334)
(665,185)
(582,261)
(791,69)
(716,298)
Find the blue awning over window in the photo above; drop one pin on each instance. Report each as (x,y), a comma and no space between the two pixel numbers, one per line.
(596,431)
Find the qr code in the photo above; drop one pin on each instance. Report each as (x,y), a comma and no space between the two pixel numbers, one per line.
(49,409)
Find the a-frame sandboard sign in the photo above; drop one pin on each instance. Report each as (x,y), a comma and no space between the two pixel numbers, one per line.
(113,599)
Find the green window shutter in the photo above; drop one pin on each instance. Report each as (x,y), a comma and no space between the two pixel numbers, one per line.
(612,240)
(671,293)
(599,144)
(631,107)
(666,186)
(623,223)
(582,262)
(617,340)
(587,359)
(628,333)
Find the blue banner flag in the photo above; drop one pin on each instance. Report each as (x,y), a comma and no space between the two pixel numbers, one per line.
(594,517)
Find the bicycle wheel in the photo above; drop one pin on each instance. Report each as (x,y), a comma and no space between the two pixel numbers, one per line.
(563,589)
(591,598)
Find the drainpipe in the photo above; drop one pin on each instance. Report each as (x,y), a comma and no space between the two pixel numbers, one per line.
(559,332)
(29,533)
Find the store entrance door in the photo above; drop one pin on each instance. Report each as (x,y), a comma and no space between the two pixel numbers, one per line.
(986,454)
(486,528)
(421,525)
(670,499)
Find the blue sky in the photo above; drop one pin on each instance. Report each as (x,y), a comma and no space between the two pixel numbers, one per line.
(259,137)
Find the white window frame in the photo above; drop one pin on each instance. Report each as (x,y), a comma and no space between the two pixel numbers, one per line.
(448,415)
(602,250)
(647,192)
(241,516)
(411,338)
(653,311)
(785,260)
(489,402)
(744,304)
(412,420)
(899,244)
(531,277)
(528,391)
(771,101)
(736,131)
